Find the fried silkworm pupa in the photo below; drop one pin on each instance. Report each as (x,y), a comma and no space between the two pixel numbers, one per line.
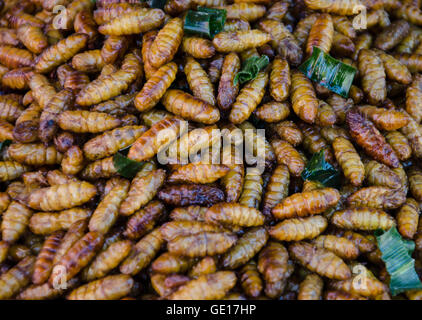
(320,260)
(165,284)
(15,279)
(107,260)
(108,288)
(238,41)
(363,244)
(280,79)
(89,61)
(15,220)
(73,161)
(313,142)
(205,266)
(198,81)
(306,203)
(304,100)
(18,78)
(373,76)
(44,291)
(248,245)
(60,52)
(227,90)
(113,10)
(392,35)
(311,288)
(286,154)
(137,20)
(10,170)
(232,214)
(112,141)
(297,229)
(407,218)
(362,219)
(201,244)
(13,58)
(342,247)
(77,257)
(273,262)
(394,69)
(166,43)
(155,87)
(349,160)
(190,213)
(245,11)
(157,137)
(113,48)
(252,188)
(233,180)
(370,139)
(206,287)
(250,280)
(413,133)
(273,111)
(143,188)
(60,197)
(413,98)
(289,131)
(384,119)
(377,197)
(277,189)
(343,8)
(8,37)
(144,220)
(189,107)
(42,90)
(321,34)
(199,173)
(340,106)
(344,25)
(33,38)
(415,181)
(168,263)
(48,222)
(198,48)
(84,23)
(107,211)
(147,40)
(173,229)
(81,121)
(26,126)
(44,263)
(379,174)
(142,253)
(303,27)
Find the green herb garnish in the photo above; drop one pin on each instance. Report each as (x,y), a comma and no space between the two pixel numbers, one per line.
(126,167)
(4,143)
(251,68)
(320,170)
(397,255)
(205,22)
(329,72)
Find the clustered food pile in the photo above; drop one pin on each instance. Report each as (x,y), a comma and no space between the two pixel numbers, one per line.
(90,95)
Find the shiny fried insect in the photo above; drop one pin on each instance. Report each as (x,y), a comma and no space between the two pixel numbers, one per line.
(280,79)
(227,90)
(13,58)
(297,229)
(321,34)
(407,218)
(334,6)
(250,280)
(373,76)
(238,41)
(33,38)
(362,219)
(304,101)
(311,288)
(286,154)
(245,11)
(15,279)
(15,221)
(277,189)
(198,48)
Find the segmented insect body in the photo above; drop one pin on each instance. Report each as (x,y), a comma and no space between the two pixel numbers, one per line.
(340,7)
(238,41)
(286,154)
(16,278)
(407,218)
(280,79)
(15,220)
(362,219)
(311,288)
(373,76)
(304,101)
(377,197)
(250,280)
(321,34)
(297,229)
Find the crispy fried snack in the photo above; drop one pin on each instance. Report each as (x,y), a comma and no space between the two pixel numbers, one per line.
(289,131)
(48,222)
(108,288)
(250,280)
(13,58)
(252,188)
(198,48)
(198,81)
(231,214)
(379,174)
(191,108)
(60,197)
(227,90)
(81,121)
(289,156)
(238,41)
(413,98)
(277,189)
(10,170)
(78,256)
(169,263)
(144,220)
(245,248)
(166,43)
(306,203)
(33,38)
(299,228)
(112,141)
(321,34)
(107,210)
(44,263)
(18,78)
(60,52)
(26,126)
(155,87)
(41,89)
(370,139)
(407,218)
(15,279)
(362,219)
(320,260)
(205,266)
(199,173)
(384,119)
(89,61)
(280,79)
(113,48)
(349,160)
(311,288)
(107,260)
(246,11)
(415,182)
(206,287)
(340,7)
(342,247)
(136,20)
(273,111)
(44,291)
(372,75)
(304,100)
(15,220)
(377,197)
(84,23)
(144,187)
(394,69)
(273,262)
(392,35)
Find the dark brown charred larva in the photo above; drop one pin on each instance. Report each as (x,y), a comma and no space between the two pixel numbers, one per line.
(144,220)
(190,194)
(370,139)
